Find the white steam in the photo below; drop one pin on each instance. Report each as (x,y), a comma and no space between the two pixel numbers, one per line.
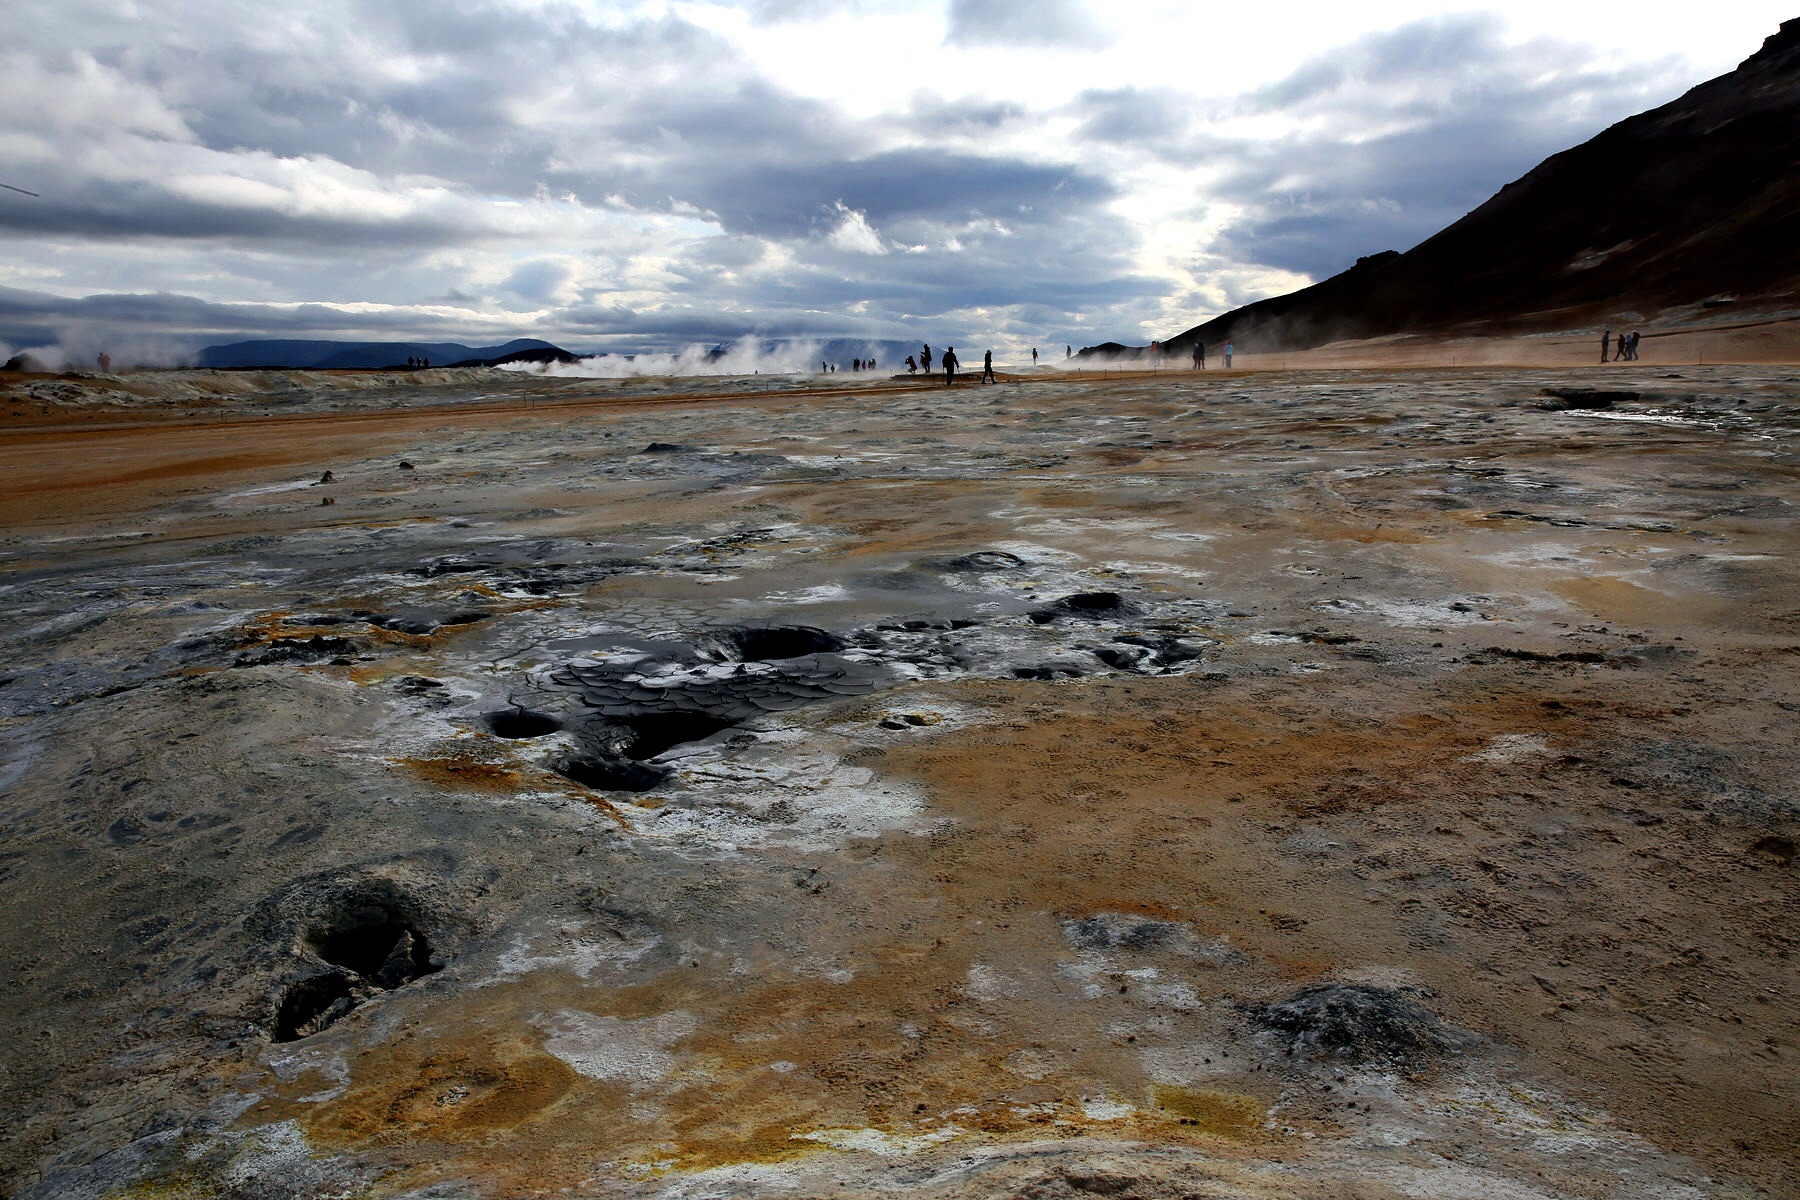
(78,349)
(735,358)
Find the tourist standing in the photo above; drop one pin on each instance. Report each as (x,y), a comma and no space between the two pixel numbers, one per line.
(1605,342)
(949,366)
(1199,356)
(1228,356)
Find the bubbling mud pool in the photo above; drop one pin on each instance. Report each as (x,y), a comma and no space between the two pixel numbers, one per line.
(1216,785)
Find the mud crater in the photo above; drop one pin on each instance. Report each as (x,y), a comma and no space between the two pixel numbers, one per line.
(363,939)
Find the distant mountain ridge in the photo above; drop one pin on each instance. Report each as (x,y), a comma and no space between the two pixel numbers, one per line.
(1690,206)
(339,356)
(800,354)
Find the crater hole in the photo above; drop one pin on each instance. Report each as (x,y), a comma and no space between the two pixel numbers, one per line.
(773,642)
(520,723)
(611,774)
(312,1004)
(376,942)
(652,733)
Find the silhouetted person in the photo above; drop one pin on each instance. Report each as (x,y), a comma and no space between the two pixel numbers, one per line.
(949,366)
(911,366)
(1605,343)
(1199,356)
(1068,352)
(1228,356)
(1631,351)
(987,368)
(1034,356)
(925,359)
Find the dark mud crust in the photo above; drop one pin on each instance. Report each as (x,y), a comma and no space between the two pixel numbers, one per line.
(1358,1022)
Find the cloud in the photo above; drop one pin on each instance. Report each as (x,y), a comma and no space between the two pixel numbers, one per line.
(644,175)
(854,235)
(1025,22)
(1379,143)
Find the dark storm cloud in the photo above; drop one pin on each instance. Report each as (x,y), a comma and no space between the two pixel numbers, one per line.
(1015,22)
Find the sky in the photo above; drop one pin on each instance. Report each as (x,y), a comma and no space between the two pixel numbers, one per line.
(637,176)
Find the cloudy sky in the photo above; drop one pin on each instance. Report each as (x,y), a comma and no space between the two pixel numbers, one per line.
(619,175)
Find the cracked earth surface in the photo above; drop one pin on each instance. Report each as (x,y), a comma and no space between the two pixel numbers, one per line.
(1297,784)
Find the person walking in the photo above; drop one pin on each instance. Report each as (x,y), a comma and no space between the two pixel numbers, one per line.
(987,368)
(950,365)
(1228,356)
(1631,351)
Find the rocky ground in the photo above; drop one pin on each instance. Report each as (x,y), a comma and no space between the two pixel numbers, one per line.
(1329,783)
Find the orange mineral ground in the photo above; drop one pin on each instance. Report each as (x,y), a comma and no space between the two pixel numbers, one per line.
(1317,780)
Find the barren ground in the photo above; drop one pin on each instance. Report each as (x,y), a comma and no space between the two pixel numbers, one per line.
(1404,806)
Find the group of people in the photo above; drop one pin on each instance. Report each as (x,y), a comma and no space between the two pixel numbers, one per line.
(417,364)
(949,363)
(1200,355)
(1625,349)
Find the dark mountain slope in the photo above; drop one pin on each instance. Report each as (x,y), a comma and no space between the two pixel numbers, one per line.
(351,355)
(1697,200)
